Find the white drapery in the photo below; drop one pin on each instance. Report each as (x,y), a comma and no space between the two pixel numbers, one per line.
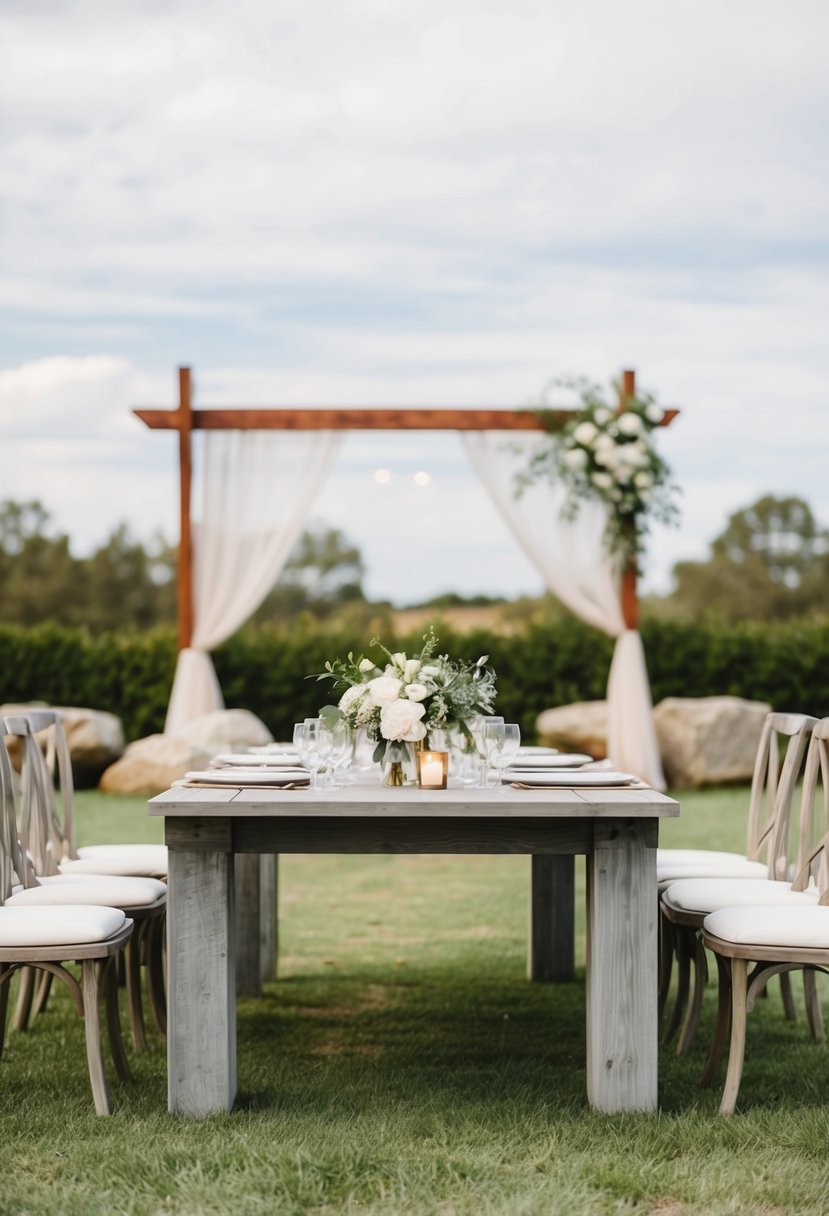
(571,558)
(255,491)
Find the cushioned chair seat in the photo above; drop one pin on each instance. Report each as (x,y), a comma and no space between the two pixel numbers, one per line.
(707,895)
(693,863)
(110,891)
(137,860)
(794,928)
(58,926)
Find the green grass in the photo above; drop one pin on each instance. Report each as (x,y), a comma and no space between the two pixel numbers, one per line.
(403,1065)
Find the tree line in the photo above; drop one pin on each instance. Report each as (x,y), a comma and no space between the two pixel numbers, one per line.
(770,563)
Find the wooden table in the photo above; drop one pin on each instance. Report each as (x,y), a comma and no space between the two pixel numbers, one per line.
(616,829)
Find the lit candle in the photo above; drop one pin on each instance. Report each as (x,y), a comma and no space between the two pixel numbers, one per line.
(432,768)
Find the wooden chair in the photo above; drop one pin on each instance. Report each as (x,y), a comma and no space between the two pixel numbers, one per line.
(143,900)
(776,939)
(686,902)
(47,938)
(131,860)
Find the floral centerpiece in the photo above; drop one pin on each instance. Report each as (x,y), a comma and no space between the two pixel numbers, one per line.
(609,454)
(398,699)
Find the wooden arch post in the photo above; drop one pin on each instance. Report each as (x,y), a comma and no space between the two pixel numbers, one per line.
(552,897)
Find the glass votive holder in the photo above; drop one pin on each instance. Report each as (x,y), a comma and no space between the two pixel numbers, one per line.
(432,770)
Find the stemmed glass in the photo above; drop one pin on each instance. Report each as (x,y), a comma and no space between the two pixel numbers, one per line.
(501,743)
(308,742)
(478,726)
(341,749)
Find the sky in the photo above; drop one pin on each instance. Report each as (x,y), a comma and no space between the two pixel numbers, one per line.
(433,202)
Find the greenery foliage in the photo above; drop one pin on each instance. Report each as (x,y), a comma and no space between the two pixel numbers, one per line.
(547,663)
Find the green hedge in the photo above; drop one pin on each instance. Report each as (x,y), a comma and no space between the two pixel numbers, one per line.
(265,669)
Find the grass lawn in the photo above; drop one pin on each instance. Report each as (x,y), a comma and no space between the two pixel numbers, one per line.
(403,1064)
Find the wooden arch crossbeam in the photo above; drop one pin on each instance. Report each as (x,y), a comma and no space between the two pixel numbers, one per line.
(185,419)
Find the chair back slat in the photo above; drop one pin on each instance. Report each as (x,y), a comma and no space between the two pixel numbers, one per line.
(12,867)
(773,786)
(41,833)
(813,858)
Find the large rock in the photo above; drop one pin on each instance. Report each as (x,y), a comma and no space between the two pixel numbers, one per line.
(580,727)
(151,765)
(95,738)
(226,730)
(708,740)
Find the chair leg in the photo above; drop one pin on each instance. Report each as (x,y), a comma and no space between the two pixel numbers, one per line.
(132,967)
(715,1051)
(692,1014)
(25,992)
(5,980)
(789,1007)
(737,1050)
(814,1012)
(43,987)
(116,1042)
(667,949)
(155,973)
(683,969)
(91,973)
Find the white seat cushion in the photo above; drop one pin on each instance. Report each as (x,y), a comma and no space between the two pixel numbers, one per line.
(62,926)
(703,863)
(806,928)
(114,892)
(138,860)
(708,894)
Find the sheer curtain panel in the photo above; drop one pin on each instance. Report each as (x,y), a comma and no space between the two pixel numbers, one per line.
(253,495)
(571,558)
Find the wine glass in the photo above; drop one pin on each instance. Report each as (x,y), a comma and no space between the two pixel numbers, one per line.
(478,726)
(341,739)
(501,743)
(307,743)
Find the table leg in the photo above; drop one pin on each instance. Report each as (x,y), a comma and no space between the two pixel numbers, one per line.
(256,929)
(268,915)
(622,1044)
(550,942)
(201,1034)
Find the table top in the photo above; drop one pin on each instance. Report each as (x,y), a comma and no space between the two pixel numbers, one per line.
(370,799)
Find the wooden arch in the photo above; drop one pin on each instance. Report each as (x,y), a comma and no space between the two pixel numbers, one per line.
(185,419)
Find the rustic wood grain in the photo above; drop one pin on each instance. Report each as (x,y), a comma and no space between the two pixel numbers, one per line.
(551,937)
(622,913)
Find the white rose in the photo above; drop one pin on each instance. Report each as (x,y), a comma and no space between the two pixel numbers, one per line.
(352,696)
(654,414)
(366,666)
(623,473)
(576,459)
(585,433)
(602,481)
(602,416)
(384,689)
(643,480)
(410,670)
(401,720)
(417,692)
(629,423)
(609,456)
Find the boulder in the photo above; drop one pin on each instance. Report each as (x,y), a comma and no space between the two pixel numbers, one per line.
(580,727)
(95,738)
(226,730)
(151,765)
(708,740)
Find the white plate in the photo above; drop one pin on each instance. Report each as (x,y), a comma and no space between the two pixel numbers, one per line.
(246,760)
(562,760)
(569,780)
(248,776)
(538,751)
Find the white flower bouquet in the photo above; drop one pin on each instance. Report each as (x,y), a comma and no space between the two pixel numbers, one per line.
(400,698)
(602,453)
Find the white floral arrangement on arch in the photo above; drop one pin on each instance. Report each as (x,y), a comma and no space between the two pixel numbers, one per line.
(608,454)
(400,698)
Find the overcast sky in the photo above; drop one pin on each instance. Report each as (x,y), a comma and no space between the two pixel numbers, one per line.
(413,201)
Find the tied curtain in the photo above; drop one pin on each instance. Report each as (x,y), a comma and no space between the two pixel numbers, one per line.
(255,491)
(571,557)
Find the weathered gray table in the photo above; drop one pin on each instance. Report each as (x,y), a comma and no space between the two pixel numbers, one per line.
(615,828)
